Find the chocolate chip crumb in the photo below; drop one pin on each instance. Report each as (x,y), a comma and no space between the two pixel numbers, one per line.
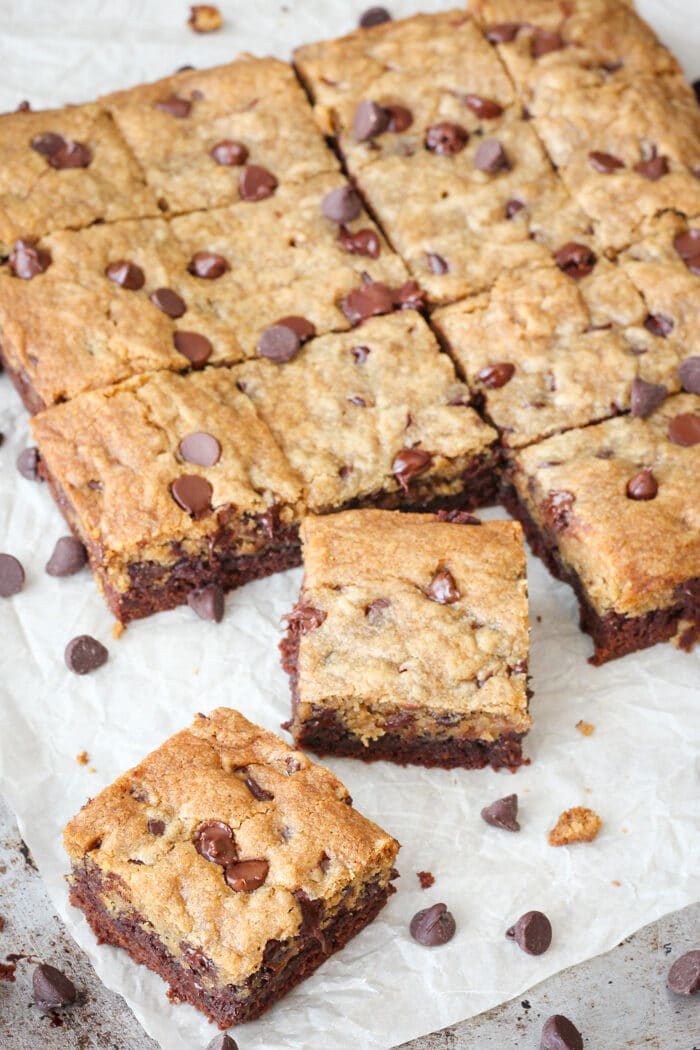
(426,879)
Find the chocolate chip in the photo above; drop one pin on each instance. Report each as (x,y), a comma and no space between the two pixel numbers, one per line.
(305,618)
(687,244)
(27,260)
(544,41)
(560,1034)
(71,155)
(375,611)
(363,242)
(48,143)
(408,464)
(215,841)
(126,274)
(195,347)
(685,429)
(369,301)
(513,207)
(28,463)
(85,654)
(433,926)
(652,169)
(207,602)
(301,326)
(409,296)
(503,32)
(246,875)
(256,183)
(256,790)
(532,932)
(360,353)
(156,827)
(605,163)
(370,119)
(485,108)
(576,260)
(557,509)
(193,493)
(11,576)
(438,265)
(689,374)
(342,204)
(23,107)
(229,153)
(659,325)
(446,138)
(457,517)
(197,960)
(503,813)
(684,975)
(169,302)
(442,588)
(222,1042)
(200,448)
(642,486)
(490,157)
(696,89)
(207,265)
(176,107)
(52,989)
(645,397)
(374,16)
(359,401)
(400,118)
(497,375)
(69,556)
(279,343)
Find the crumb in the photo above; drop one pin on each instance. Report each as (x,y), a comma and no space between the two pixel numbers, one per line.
(616,883)
(538,618)
(117,630)
(426,879)
(205,18)
(2,924)
(91,769)
(575,825)
(585,728)
(83,758)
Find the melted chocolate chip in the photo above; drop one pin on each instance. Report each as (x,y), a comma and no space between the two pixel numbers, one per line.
(503,32)
(169,302)
(48,143)
(410,463)
(513,207)
(604,163)
(256,183)
(645,397)
(442,588)
(544,42)
(433,926)
(400,119)
(305,618)
(256,790)
(207,265)
(156,827)
(503,813)
(408,296)
(245,876)
(174,106)
(557,509)
(485,108)
(370,119)
(301,326)
(279,343)
(85,654)
(27,260)
(532,932)
(200,448)
(642,486)
(446,138)
(659,325)
(652,169)
(375,611)
(457,517)
(71,155)
(193,493)
(126,274)
(195,347)
(576,260)
(496,375)
(363,242)
(215,841)
(342,204)
(69,556)
(229,153)
(207,602)
(52,989)
(369,301)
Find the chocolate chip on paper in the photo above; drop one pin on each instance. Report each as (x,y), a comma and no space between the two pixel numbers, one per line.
(85,654)
(532,932)
(433,926)
(69,556)
(502,813)
(11,576)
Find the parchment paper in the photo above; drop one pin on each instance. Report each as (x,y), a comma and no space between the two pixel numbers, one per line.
(639,769)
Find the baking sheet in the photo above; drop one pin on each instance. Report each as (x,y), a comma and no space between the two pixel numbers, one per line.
(639,769)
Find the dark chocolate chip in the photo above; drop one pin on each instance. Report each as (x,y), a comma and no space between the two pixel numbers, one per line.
(27,260)
(685,429)
(126,274)
(442,588)
(256,790)
(642,486)
(368,301)
(503,32)
(496,375)
(370,119)
(408,464)
(256,183)
(363,242)
(409,296)
(306,618)
(446,138)
(279,343)
(557,509)
(176,107)
(433,926)
(532,932)
(659,324)
(69,556)
(604,163)
(11,576)
(222,1042)
(156,827)
(71,155)
(360,353)
(374,16)
(645,397)
(311,914)
(560,1034)
(195,347)
(400,118)
(85,654)
(684,975)
(375,611)
(490,157)
(169,302)
(485,108)
(229,153)
(513,207)
(342,204)
(23,107)
(246,875)
(200,448)
(689,374)
(207,265)
(28,463)
(48,143)
(207,602)
(52,989)
(652,169)
(193,493)
(503,813)
(437,263)
(545,41)
(215,841)
(576,260)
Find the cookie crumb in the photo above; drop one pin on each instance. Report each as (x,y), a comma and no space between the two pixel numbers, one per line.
(83,758)
(117,630)
(426,879)
(616,882)
(205,18)
(585,728)
(575,825)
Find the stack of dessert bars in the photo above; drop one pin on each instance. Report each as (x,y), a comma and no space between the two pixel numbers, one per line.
(488,282)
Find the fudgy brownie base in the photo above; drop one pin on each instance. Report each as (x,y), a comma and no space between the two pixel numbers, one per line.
(22,384)
(614,634)
(286,963)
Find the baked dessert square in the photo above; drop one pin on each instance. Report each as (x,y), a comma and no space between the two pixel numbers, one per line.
(409,641)
(64,169)
(376,416)
(173,483)
(614,510)
(206,138)
(229,864)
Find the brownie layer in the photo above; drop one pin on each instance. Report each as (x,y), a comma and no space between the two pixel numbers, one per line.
(22,384)
(614,634)
(286,963)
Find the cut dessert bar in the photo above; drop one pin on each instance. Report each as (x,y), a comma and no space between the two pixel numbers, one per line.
(614,510)
(409,641)
(376,416)
(229,864)
(172,483)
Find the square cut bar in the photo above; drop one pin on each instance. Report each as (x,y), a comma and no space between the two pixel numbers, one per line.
(410,639)
(614,510)
(229,864)
(376,416)
(172,483)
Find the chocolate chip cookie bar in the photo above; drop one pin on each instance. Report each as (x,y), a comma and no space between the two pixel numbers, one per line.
(229,864)
(173,483)
(409,641)
(614,510)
